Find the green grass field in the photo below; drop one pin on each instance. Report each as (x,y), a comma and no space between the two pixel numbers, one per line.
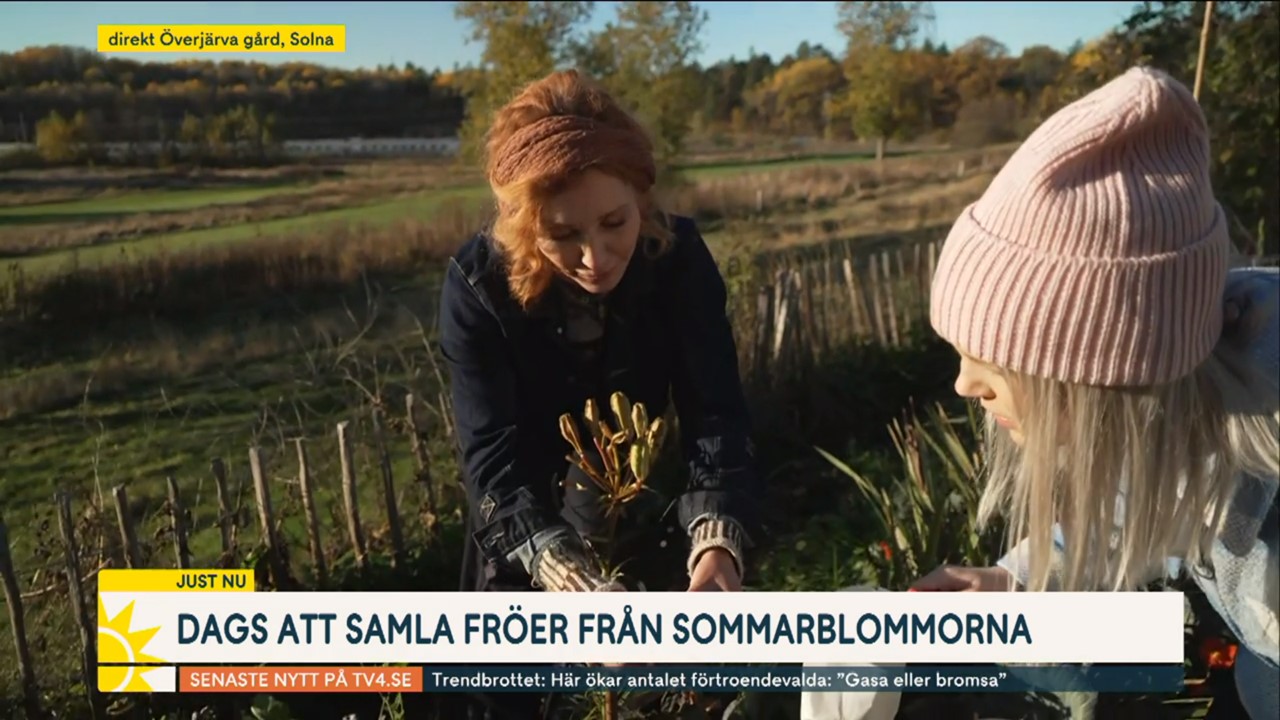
(114,203)
(418,206)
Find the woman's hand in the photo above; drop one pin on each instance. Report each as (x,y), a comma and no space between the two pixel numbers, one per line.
(715,572)
(957,578)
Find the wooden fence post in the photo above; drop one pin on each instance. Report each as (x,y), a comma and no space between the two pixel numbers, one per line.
(13,598)
(857,303)
(349,495)
(420,455)
(389,491)
(267,516)
(877,307)
(783,284)
(132,557)
(922,284)
(226,521)
(908,303)
(309,507)
(891,289)
(764,328)
(812,346)
(181,551)
(88,658)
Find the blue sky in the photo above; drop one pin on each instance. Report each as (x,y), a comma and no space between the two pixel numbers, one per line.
(427,34)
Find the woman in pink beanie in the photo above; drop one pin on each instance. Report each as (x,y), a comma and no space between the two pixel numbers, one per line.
(1128,374)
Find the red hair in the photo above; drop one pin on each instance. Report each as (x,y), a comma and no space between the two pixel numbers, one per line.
(552,130)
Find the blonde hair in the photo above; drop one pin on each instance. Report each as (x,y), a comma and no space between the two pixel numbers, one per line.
(1173,453)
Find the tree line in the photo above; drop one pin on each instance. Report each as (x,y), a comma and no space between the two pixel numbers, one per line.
(887,83)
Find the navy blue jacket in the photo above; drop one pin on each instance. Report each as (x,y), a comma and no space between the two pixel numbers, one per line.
(667,337)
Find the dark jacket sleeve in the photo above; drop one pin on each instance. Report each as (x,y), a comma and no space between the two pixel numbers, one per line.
(707,390)
(483,390)
(514,525)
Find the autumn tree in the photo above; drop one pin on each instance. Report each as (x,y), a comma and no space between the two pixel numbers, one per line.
(1240,97)
(646,57)
(887,97)
(1037,71)
(58,139)
(795,98)
(523,41)
(893,25)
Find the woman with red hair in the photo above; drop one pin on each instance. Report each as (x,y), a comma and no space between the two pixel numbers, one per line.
(582,287)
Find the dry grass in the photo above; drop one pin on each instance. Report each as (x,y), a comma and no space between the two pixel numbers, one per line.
(906,206)
(751,147)
(301,192)
(794,205)
(789,191)
(192,285)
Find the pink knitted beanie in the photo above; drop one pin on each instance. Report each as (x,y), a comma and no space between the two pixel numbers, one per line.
(1098,254)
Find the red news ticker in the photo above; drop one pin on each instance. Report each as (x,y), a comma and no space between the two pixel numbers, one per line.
(303,678)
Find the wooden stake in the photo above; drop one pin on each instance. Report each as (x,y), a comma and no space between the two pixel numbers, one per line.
(890,289)
(1204,46)
(267,517)
(132,557)
(810,347)
(780,316)
(764,328)
(877,308)
(180,548)
(313,523)
(922,283)
(88,658)
(855,304)
(420,454)
(349,496)
(13,599)
(900,261)
(389,491)
(226,519)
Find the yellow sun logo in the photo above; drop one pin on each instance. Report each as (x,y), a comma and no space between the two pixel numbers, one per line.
(120,647)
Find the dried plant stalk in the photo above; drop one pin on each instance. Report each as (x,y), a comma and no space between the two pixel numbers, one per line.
(626,454)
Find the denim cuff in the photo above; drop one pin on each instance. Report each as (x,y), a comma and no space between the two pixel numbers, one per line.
(509,527)
(712,531)
(526,552)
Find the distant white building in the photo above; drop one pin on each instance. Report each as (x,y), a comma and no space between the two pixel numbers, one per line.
(375,147)
(321,148)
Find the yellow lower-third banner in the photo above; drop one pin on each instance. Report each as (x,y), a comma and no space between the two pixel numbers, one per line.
(137,678)
(222,38)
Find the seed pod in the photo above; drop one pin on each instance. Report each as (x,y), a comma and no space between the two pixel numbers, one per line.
(639,461)
(656,434)
(622,412)
(570,432)
(592,415)
(639,417)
